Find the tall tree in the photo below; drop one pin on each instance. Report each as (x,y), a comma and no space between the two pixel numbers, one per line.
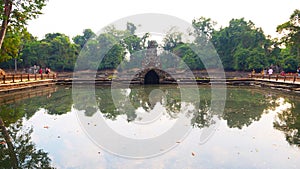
(13,44)
(240,44)
(203,29)
(291,33)
(16,13)
(61,53)
(172,38)
(82,39)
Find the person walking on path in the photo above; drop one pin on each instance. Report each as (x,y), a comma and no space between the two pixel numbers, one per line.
(265,71)
(48,70)
(298,71)
(270,71)
(41,71)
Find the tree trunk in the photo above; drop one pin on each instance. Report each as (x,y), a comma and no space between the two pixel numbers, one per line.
(7,11)
(10,146)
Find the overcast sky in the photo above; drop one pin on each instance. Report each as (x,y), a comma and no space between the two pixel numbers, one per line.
(71,17)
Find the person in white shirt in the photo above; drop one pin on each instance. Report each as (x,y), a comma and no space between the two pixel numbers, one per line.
(270,71)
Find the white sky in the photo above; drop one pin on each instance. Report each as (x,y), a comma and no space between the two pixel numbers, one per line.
(71,17)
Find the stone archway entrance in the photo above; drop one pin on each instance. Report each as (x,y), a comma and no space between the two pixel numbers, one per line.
(151,77)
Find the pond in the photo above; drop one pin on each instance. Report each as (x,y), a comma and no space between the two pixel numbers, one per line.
(258,128)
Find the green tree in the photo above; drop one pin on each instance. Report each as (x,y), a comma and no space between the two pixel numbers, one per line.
(113,58)
(10,47)
(16,13)
(82,39)
(188,56)
(55,51)
(241,46)
(291,34)
(110,47)
(31,52)
(172,39)
(203,29)
(61,53)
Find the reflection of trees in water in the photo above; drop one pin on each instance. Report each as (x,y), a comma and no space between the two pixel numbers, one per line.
(59,102)
(18,151)
(137,98)
(11,113)
(288,121)
(127,101)
(168,96)
(243,107)
(203,117)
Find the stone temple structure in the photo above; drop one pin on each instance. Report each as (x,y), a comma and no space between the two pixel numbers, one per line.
(151,59)
(152,72)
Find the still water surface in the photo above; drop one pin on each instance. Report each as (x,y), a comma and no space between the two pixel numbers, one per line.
(258,129)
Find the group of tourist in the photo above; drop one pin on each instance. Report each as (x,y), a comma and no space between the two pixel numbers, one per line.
(37,69)
(47,70)
(270,71)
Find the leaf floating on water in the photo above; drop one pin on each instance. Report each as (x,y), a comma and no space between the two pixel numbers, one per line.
(193,154)
(46,127)
(177,141)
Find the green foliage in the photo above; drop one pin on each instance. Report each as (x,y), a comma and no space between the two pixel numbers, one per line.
(23,11)
(291,33)
(55,51)
(13,44)
(172,39)
(188,56)
(113,58)
(10,47)
(28,155)
(14,15)
(203,29)
(108,50)
(241,46)
(290,64)
(82,39)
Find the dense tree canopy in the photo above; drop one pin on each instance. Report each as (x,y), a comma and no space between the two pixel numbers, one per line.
(14,15)
(291,34)
(241,46)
